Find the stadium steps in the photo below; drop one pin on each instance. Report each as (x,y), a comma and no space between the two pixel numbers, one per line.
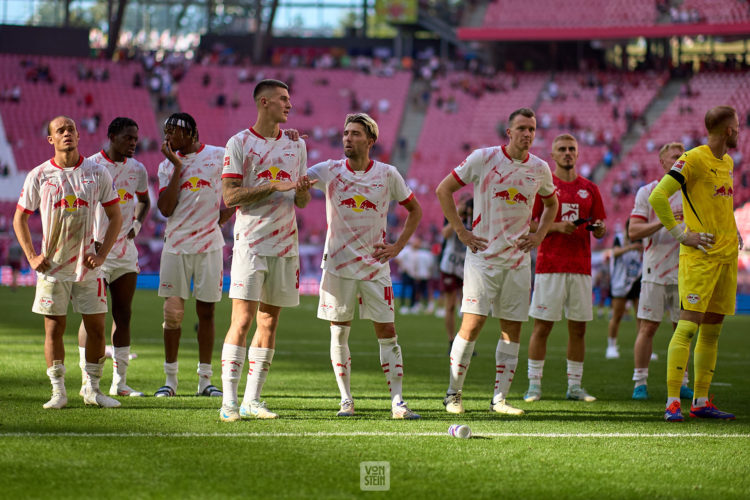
(411,125)
(474,15)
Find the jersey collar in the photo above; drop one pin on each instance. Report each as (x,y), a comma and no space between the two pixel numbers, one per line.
(80,160)
(369,166)
(199,150)
(253,131)
(106,157)
(511,159)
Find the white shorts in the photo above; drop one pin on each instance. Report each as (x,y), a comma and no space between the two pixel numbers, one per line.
(115,267)
(656,299)
(558,292)
(271,280)
(502,293)
(205,269)
(52,297)
(338,297)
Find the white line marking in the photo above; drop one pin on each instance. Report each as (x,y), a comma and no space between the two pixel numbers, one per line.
(362,434)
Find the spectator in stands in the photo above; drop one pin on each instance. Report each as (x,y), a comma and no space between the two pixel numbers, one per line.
(15,94)
(206,79)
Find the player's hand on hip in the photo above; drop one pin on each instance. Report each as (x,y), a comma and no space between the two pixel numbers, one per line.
(39,263)
(529,241)
(701,241)
(92,260)
(472,242)
(384,252)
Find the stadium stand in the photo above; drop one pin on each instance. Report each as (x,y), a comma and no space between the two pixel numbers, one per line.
(581,13)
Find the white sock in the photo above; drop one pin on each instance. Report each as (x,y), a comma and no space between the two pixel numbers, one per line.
(685,378)
(82,363)
(232,360)
(390,361)
(535,371)
(56,374)
(171,369)
(672,400)
(700,402)
(341,359)
(460,358)
(205,372)
(575,373)
(640,376)
(611,341)
(94,372)
(259,359)
(506,361)
(120,362)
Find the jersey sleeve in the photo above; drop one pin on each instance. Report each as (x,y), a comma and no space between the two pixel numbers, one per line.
(233,160)
(641,208)
(547,186)
(319,172)
(468,171)
(30,199)
(107,193)
(141,187)
(398,188)
(164,175)
(302,158)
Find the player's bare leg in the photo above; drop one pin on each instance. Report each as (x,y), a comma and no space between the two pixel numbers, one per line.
(174,310)
(54,355)
(537,354)
(122,291)
(618,310)
(449,299)
(642,356)
(260,356)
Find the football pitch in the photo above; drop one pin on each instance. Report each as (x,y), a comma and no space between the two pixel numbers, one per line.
(177,447)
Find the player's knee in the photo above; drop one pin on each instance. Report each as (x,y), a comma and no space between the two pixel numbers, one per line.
(205,311)
(174,310)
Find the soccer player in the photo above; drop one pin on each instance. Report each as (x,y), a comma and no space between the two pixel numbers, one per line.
(452,267)
(120,270)
(563,270)
(707,275)
(264,176)
(659,292)
(190,198)
(497,271)
(66,189)
(355,259)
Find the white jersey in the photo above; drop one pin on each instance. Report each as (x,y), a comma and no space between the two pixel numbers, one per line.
(661,252)
(130,180)
(425,264)
(193,227)
(504,192)
(356,210)
(67,199)
(269,226)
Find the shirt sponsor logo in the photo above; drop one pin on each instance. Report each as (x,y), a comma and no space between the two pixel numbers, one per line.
(124,196)
(693,298)
(70,203)
(194,184)
(511,196)
(274,174)
(725,191)
(569,211)
(358,203)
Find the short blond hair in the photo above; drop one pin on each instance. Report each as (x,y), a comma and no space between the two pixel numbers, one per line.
(371,128)
(669,146)
(564,137)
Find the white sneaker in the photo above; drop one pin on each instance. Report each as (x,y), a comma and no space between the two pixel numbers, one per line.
(230,412)
(402,412)
(502,407)
(96,398)
(56,402)
(124,390)
(440,313)
(404,311)
(533,394)
(613,352)
(82,391)
(578,393)
(347,408)
(453,403)
(257,409)
(654,356)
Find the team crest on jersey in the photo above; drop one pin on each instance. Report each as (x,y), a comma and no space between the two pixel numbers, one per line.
(194,184)
(511,196)
(693,298)
(724,191)
(70,203)
(583,193)
(569,211)
(677,167)
(46,302)
(124,196)
(358,203)
(274,174)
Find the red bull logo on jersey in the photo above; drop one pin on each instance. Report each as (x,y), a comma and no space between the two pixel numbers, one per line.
(725,191)
(70,203)
(274,174)
(124,196)
(511,196)
(194,184)
(358,203)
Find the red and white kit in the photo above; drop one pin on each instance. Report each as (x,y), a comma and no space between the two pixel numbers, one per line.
(130,181)
(193,227)
(268,227)
(67,199)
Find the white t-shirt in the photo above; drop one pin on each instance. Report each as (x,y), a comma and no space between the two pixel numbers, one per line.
(67,199)
(130,180)
(661,252)
(425,263)
(504,191)
(193,227)
(356,210)
(269,226)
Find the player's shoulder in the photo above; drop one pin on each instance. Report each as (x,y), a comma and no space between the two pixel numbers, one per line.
(328,165)
(136,165)
(647,188)
(208,149)
(534,161)
(98,157)
(90,164)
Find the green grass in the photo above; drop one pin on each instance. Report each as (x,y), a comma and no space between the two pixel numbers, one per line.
(158,448)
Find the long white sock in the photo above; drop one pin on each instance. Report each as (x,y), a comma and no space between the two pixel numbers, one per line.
(171,369)
(640,376)
(460,359)
(56,374)
(341,359)
(232,360)
(94,372)
(535,371)
(259,359)
(82,363)
(575,373)
(205,372)
(506,361)
(120,362)
(390,361)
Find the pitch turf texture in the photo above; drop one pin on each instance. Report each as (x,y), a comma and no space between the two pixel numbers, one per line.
(178,448)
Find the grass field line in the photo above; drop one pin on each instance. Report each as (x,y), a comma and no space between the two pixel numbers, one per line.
(577,435)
